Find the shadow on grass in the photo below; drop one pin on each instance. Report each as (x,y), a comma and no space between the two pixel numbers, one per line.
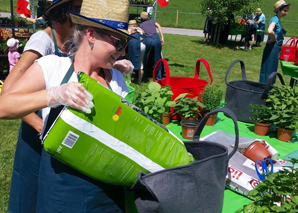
(173,64)
(231,44)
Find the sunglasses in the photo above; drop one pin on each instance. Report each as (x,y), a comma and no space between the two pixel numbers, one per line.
(120,43)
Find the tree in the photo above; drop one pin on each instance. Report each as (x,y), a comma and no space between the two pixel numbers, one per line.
(222,15)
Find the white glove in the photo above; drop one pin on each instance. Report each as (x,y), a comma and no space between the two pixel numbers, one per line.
(71,94)
(124,66)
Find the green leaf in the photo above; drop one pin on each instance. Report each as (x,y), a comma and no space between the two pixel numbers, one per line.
(295,199)
(250,208)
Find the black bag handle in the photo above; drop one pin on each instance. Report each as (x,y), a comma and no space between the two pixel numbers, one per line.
(54,112)
(196,137)
(242,70)
(270,81)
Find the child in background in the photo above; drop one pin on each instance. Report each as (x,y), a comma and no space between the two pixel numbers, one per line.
(13,55)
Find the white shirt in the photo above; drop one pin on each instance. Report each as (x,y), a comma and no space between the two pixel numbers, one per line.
(54,69)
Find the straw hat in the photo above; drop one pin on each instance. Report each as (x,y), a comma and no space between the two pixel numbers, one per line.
(132,22)
(54,4)
(258,11)
(279,4)
(144,16)
(105,14)
(12,43)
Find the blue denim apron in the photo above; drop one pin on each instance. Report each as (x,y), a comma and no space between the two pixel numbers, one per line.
(270,60)
(24,180)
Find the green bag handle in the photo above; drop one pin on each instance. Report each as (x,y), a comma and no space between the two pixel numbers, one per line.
(127,80)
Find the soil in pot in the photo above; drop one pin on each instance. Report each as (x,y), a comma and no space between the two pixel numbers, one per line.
(188,128)
(285,134)
(257,151)
(261,128)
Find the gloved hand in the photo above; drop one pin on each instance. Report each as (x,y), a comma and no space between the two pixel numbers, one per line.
(124,66)
(71,94)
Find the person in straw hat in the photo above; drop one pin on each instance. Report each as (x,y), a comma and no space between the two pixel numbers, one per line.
(136,49)
(153,45)
(275,40)
(99,45)
(261,22)
(24,180)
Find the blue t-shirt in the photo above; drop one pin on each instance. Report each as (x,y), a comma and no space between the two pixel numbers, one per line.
(278,30)
(262,19)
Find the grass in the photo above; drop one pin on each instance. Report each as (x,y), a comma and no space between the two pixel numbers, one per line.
(9,133)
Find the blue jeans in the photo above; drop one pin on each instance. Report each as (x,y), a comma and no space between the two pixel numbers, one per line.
(152,56)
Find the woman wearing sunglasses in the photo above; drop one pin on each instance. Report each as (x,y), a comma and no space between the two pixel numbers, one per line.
(100,38)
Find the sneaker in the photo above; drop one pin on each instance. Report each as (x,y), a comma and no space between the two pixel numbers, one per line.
(243,47)
(249,48)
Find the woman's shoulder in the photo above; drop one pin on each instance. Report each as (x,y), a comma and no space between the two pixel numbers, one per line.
(53,59)
(274,19)
(41,34)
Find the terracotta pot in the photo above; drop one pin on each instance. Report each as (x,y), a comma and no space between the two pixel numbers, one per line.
(261,128)
(188,128)
(166,118)
(257,151)
(285,134)
(211,120)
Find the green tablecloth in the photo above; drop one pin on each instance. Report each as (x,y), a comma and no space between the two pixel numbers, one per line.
(232,200)
(288,68)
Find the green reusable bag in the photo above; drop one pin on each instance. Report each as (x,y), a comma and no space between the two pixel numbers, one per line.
(130,96)
(115,142)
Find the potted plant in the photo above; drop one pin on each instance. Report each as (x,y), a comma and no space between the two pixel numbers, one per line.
(277,193)
(154,101)
(17,21)
(283,104)
(187,108)
(211,97)
(261,118)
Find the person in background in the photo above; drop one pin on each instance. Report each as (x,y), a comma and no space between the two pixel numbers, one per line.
(100,37)
(207,28)
(261,22)
(153,45)
(136,49)
(13,54)
(250,32)
(24,181)
(275,40)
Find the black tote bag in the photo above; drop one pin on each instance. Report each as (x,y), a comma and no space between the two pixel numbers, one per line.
(241,93)
(197,187)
